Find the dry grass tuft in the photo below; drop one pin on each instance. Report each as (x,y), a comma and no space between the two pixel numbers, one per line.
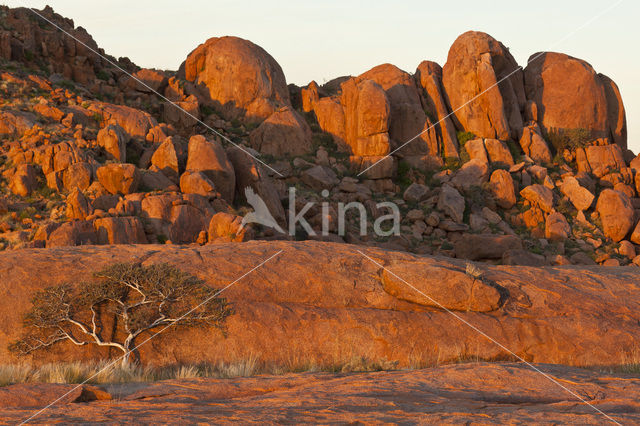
(473,271)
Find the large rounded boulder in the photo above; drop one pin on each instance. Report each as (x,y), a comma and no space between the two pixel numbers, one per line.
(407,119)
(241,78)
(570,95)
(475,64)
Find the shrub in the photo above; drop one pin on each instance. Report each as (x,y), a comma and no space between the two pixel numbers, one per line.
(103,75)
(403,172)
(464,137)
(206,110)
(142,298)
(66,84)
(325,140)
(452,163)
(569,138)
(514,149)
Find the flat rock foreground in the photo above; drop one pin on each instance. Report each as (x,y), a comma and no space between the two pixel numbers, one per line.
(323,304)
(481,393)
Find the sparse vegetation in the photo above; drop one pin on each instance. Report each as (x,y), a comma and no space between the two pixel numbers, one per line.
(464,137)
(452,163)
(569,138)
(143,299)
(103,75)
(473,271)
(206,110)
(403,170)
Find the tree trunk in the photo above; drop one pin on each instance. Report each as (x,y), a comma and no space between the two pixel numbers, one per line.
(125,359)
(129,347)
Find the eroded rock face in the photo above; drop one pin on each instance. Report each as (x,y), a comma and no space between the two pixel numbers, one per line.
(170,158)
(346,309)
(242,79)
(604,159)
(586,100)
(581,197)
(284,133)
(15,123)
(195,182)
(250,174)
(534,145)
(540,196)
(453,290)
(452,203)
(135,122)
(475,63)
(429,76)
(31,39)
(331,118)
(119,178)
(407,119)
(119,230)
(367,112)
(208,156)
(78,206)
(225,227)
(24,180)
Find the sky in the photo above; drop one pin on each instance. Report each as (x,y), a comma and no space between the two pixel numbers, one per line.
(321,40)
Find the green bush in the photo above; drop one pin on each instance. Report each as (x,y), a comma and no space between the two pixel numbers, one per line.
(103,75)
(325,140)
(464,137)
(206,110)
(452,163)
(569,138)
(403,171)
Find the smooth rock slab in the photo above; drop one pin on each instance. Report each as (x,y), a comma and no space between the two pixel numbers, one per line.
(505,393)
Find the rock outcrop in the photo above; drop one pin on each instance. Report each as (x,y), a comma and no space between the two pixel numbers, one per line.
(475,64)
(586,100)
(104,146)
(429,76)
(284,133)
(407,119)
(367,112)
(286,307)
(241,78)
(209,157)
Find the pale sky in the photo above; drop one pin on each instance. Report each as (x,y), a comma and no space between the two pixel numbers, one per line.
(320,40)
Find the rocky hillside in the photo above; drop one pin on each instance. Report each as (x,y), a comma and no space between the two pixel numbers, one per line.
(535,171)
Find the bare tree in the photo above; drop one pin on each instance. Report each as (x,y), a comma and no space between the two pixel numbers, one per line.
(136,299)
